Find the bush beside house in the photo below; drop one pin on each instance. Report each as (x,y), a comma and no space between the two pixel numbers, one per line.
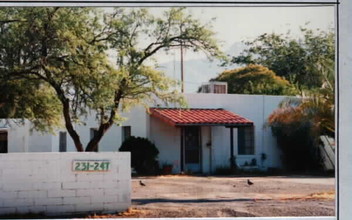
(143,155)
(297,140)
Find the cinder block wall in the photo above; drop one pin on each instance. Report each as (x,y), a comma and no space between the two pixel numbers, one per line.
(46,183)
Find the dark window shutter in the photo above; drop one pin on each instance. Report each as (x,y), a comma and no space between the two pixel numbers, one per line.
(62,141)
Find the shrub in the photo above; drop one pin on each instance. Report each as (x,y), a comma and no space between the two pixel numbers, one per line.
(296,139)
(143,155)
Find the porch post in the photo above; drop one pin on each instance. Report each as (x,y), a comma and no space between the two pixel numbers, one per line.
(182,149)
(232,161)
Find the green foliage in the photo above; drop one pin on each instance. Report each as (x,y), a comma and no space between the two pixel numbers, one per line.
(255,79)
(296,140)
(298,124)
(65,51)
(48,47)
(301,61)
(320,107)
(143,154)
(37,103)
(300,121)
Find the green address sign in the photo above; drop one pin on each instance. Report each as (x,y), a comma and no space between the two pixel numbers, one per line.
(91,165)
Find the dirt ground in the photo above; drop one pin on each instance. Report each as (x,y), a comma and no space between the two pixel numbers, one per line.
(196,196)
(192,196)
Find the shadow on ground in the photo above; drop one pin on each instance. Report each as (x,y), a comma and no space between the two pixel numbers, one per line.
(160,200)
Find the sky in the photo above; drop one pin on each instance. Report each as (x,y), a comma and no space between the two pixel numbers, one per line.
(233,25)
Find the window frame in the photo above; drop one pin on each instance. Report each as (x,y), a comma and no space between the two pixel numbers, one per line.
(123,132)
(64,149)
(246,140)
(5,131)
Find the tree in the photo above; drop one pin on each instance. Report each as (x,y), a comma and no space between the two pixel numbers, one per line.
(65,50)
(22,99)
(255,79)
(127,29)
(300,61)
(299,122)
(49,48)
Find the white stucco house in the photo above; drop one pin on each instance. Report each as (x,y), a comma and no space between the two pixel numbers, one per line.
(199,139)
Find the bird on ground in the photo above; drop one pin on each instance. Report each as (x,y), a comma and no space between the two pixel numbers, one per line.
(141,183)
(234,185)
(249,182)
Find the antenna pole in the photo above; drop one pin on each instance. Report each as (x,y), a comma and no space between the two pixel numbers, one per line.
(182,81)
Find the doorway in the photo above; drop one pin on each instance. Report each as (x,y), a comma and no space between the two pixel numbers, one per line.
(192,149)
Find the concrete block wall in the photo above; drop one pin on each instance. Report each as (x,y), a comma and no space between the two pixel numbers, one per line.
(46,183)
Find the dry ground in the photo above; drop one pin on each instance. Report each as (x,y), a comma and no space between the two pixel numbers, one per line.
(192,196)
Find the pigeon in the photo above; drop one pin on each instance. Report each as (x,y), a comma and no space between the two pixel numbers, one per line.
(234,185)
(141,183)
(249,182)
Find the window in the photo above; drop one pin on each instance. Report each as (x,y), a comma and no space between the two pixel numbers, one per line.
(93,132)
(245,140)
(220,89)
(3,141)
(126,132)
(62,141)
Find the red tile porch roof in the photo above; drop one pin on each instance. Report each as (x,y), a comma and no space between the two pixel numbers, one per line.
(193,116)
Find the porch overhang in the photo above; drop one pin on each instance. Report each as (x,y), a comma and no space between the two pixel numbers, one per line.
(199,117)
(184,118)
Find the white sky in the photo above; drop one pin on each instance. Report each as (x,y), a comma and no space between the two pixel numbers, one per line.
(235,24)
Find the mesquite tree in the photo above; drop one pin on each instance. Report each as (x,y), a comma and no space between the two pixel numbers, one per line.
(64,53)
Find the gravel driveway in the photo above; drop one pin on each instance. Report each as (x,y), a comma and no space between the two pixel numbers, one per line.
(192,196)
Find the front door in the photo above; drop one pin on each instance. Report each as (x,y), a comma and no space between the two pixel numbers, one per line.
(192,149)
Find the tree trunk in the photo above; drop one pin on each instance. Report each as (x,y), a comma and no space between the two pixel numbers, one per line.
(104,127)
(66,112)
(93,143)
(75,137)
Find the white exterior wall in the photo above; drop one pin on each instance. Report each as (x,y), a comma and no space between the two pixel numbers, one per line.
(221,149)
(256,108)
(269,142)
(136,118)
(168,140)
(220,146)
(17,135)
(205,149)
(45,183)
(39,142)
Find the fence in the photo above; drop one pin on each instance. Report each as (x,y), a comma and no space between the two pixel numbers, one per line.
(64,183)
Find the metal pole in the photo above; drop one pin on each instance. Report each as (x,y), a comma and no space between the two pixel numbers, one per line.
(231,149)
(182,149)
(182,82)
